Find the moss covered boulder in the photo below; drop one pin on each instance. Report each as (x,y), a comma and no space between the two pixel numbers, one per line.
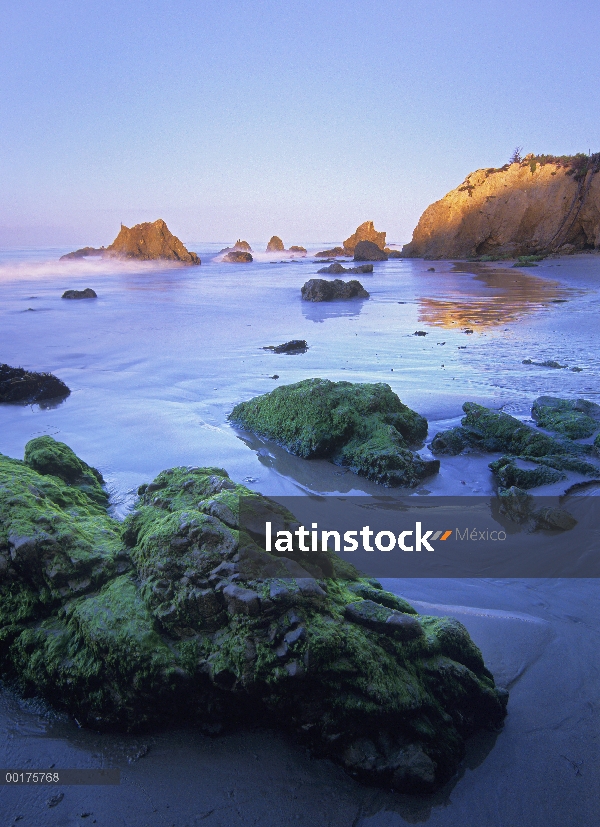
(575,418)
(531,457)
(179,615)
(365,427)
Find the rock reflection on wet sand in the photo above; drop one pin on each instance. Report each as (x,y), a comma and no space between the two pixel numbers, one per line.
(481,296)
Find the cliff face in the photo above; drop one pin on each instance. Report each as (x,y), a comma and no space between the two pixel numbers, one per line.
(150,241)
(366,232)
(521,209)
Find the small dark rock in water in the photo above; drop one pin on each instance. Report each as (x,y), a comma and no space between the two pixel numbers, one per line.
(337,268)
(20,385)
(468,330)
(431,269)
(238,257)
(369,251)
(393,253)
(335,251)
(275,376)
(88,293)
(320,290)
(420,333)
(549,363)
(293,346)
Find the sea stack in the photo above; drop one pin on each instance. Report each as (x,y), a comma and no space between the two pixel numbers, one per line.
(144,242)
(366,232)
(541,204)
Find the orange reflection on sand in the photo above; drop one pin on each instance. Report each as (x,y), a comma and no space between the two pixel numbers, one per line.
(492,296)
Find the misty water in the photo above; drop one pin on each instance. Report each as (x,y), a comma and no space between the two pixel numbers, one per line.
(156,363)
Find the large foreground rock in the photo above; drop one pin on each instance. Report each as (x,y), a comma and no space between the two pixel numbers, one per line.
(20,385)
(145,242)
(170,618)
(321,290)
(366,232)
(540,205)
(365,427)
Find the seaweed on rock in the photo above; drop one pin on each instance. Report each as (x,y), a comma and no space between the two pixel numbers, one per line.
(362,426)
(170,616)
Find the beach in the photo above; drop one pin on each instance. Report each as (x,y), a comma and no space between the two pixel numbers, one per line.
(156,364)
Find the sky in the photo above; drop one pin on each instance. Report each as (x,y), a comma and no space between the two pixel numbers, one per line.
(302,119)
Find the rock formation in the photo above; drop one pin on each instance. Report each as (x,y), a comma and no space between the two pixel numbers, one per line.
(364,427)
(239,245)
(542,204)
(531,457)
(238,257)
(145,242)
(321,290)
(275,245)
(84,252)
(180,615)
(338,268)
(366,232)
(294,346)
(88,293)
(20,385)
(332,253)
(369,251)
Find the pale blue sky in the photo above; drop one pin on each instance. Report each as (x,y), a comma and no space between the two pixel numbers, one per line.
(302,118)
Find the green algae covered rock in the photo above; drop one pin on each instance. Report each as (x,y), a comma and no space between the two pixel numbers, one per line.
(365,427)
(575,418)
(532,458)
(180,615)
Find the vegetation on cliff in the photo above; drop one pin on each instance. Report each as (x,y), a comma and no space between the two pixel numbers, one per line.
(535,205)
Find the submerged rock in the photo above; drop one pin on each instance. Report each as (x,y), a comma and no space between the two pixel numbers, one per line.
(165,619)
(88,293)
(364,427)
(293,346)
(149,241)
(368,251)
(321,290)
(337,268)
(20,385)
